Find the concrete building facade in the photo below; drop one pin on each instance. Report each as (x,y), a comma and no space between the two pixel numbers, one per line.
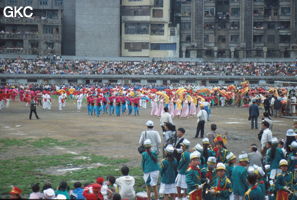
(147,30)
(238,28)
(97,28)
(39,35)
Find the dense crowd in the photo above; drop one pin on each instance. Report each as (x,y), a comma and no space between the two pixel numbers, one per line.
(58,65)
(208,170)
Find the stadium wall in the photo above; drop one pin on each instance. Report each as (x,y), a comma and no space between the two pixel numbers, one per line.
(144,80)
(116,59)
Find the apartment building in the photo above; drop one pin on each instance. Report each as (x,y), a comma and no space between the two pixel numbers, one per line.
(238,28)
(38,35)
(147,30)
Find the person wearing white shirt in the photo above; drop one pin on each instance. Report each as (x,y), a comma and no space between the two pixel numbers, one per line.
(266,137)
(79,101)
(202,118)
(126,184)
(165,118)
(151,134)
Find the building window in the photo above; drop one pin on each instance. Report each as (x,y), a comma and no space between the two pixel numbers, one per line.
(157,29)
(43,2)
(284,25)
(28,2)
(49,45)
(172,31)
(271,25)
(258,38)
(235,12)
(136,11)
(136,28)
(136,46)
(158,3)
(270,39)
(286,11)
(284,38)
(186,26)
(234,38)
(259,12)
(158,13)
(258,25)
(163,46)
(12,2)
(185,11)
(207,26)
(48,29)
(222,38)
(58,2)
(209,12)
(206,38)
(234,25)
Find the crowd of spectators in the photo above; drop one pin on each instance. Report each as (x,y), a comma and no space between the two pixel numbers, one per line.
(62,66)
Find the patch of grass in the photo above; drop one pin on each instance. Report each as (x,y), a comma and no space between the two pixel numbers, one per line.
(40,143)
(50,142)
(24,171)
(7,142)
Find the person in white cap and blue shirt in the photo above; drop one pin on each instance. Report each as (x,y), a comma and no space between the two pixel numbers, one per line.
(239,177)
(151,134)
(194,177)
(168,174)
(290,137)
(150,169)
(182,168)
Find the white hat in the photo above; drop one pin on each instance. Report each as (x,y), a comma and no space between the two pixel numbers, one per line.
(274,140)
(267,167)
(198,147)
(283,162)
(147,142)
(251,170)
(221,166)
(186,142)
(205,141)
(49,193)
(195,154)
(290,132)
(169,149)
(149,123)
(261,171)
(243,157)
(61,196)
(293,145)
(230,156)
(212,160)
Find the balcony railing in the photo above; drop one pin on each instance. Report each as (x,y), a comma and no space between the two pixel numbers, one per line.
(5,20)
(19,35)
(12,50)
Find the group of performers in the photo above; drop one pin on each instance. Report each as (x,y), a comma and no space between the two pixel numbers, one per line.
(113,105)
(181,102)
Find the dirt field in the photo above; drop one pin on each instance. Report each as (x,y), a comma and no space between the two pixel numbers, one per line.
(116,137)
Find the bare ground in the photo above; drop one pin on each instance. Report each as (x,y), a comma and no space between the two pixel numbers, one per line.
(115,137)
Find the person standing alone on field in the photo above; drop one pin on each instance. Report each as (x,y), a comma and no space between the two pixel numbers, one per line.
(33,109)
(254,114)
(202,118)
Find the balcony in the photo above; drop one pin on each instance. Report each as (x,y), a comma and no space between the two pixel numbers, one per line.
(4,20)
(7,36)
(9,50)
